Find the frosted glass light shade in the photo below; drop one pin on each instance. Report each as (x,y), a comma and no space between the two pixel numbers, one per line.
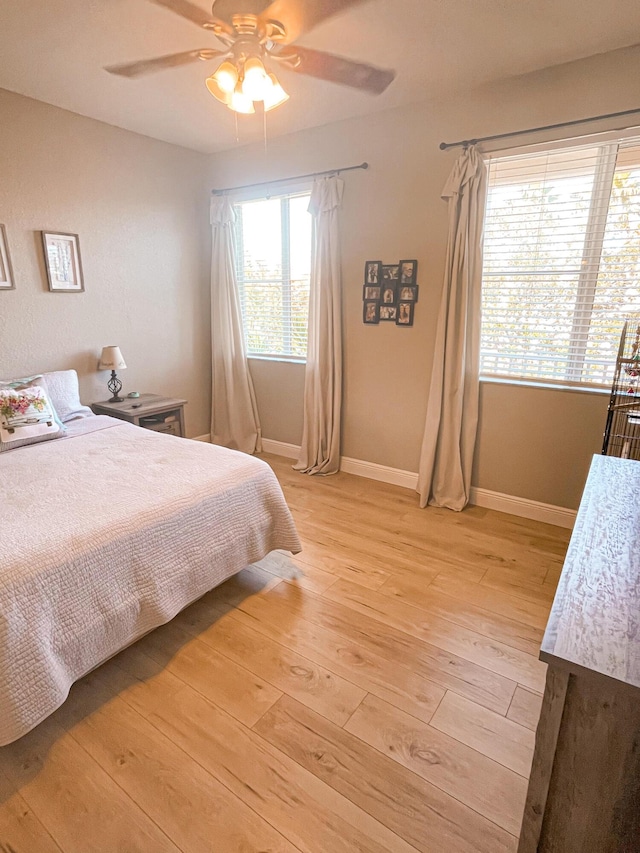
(111,359)
(275,94)
(255,82)
(227,76)
(240,103)
(254,85)
(214,88)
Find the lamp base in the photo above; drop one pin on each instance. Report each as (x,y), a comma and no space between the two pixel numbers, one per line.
(115,386)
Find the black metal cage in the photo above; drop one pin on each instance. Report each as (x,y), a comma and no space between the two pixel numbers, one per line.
(622,429)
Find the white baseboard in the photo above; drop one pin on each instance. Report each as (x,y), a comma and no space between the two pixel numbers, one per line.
(536,510)
(382,473)
(522,507)
(370,470)
(281,448)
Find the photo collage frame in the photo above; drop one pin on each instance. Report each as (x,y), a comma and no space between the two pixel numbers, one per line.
(390,292)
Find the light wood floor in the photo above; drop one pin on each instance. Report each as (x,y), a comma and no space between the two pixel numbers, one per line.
(377,693)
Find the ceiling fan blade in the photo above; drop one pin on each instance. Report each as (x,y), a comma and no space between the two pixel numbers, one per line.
(194,14)
(299,16)
(226,9)
(158,63)
(326,66)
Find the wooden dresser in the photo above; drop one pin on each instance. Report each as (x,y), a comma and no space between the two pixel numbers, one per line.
(584,790)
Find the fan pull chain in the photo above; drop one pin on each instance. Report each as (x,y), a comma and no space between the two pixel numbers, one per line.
(235,116)
(264,129)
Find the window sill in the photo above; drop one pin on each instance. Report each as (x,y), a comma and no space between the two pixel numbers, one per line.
(281,358)
(546,386)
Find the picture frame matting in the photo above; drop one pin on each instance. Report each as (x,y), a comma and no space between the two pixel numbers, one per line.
(63,262)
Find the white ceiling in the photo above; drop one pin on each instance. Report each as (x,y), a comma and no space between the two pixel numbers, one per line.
(55,51)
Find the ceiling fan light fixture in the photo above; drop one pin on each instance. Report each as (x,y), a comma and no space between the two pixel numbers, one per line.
(275,94)
(227,76)
(253,32)
(215,89)
(241,103)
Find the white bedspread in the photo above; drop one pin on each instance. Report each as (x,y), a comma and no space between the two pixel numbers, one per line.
(108,533)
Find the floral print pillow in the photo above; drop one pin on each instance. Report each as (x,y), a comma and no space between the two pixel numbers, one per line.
(26,417)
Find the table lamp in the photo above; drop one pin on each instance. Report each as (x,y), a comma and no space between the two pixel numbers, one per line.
(111,359)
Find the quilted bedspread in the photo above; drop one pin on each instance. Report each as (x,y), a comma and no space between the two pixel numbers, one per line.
(108,533)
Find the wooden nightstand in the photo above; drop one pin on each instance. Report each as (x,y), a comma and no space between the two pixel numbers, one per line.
(162,414)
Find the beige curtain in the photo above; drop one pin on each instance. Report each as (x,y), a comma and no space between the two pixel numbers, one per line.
(320,451)
(452,410)
(234,414)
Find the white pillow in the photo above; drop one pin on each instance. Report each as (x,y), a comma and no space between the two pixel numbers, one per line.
(65,395)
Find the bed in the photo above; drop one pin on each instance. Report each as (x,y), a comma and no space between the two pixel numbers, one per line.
(107,533)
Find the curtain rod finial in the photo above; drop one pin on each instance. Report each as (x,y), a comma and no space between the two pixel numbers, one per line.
(443,145)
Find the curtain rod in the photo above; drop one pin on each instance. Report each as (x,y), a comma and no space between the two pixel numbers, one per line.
(293,178)
(466,142)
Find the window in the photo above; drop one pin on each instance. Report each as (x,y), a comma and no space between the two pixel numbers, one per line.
(561,263)
(273,240)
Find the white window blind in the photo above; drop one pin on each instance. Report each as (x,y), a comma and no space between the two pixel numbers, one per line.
(273,257)
(561,264)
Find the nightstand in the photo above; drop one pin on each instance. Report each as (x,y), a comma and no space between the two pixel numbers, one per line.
(162,414)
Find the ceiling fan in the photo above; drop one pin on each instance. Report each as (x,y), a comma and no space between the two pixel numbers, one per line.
(257,36)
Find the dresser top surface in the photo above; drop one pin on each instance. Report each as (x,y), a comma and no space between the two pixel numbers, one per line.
(595,619)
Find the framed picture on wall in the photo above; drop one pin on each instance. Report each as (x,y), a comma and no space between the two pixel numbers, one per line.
(389,293)
(405,314)
(63,263)
(372,272)
(388,312)
(371,291)
(390,273)
(408,293)
(408,272)
(371,313)
(6,273)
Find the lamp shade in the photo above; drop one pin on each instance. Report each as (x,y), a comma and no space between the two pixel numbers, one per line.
(111,359)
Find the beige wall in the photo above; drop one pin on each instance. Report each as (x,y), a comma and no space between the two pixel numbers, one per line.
(281,382)
(140,208)
(536,442)
(533,443)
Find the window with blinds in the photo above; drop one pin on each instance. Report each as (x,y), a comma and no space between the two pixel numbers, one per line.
(273,265)
(561,264)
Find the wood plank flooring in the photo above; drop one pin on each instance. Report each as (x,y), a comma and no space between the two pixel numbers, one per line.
(377,693)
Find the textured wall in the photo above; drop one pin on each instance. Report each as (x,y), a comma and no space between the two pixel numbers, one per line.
(140,209)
